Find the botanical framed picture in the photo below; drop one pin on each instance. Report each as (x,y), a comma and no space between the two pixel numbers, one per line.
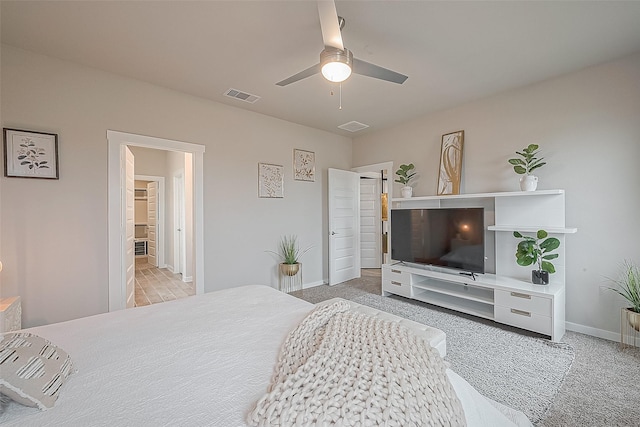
(29,154)
(450,163)
(270,180)
(304,165)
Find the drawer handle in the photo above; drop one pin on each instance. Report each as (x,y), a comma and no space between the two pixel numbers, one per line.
(518,295)
(396,271)
(520,312)
(396,283)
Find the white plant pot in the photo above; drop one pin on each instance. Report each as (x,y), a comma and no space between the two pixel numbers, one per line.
(528,183)
(407,192)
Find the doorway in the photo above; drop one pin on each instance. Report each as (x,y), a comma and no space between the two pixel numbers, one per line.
(375,212)
(117,205)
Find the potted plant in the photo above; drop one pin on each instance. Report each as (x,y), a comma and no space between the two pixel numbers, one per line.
(527,164)
(405,174)
(290,253)
(628,285)
(537,250)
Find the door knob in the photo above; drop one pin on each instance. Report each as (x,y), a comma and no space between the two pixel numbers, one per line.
(333,232)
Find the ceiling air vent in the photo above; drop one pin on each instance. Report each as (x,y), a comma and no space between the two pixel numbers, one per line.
(353,126)
(242,96)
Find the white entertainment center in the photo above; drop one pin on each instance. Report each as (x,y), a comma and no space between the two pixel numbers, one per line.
(504,293)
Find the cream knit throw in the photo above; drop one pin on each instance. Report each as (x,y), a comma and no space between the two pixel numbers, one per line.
(339,367)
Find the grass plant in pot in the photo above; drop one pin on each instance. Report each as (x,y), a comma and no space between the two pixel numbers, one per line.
(527,164)
(537,250)
(628,286)
(405,175)
(290,254)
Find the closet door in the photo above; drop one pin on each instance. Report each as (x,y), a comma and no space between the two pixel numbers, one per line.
(152,221)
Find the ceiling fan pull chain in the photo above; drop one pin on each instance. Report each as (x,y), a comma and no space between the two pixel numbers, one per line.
(340,107)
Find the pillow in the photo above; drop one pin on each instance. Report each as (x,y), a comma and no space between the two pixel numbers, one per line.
(32,370)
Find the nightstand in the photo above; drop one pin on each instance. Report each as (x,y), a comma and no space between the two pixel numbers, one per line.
(10,314)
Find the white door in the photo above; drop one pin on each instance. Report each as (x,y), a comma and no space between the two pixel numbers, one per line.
(344,226)
(129,261)
(179,252)
(152,222)
(370,222)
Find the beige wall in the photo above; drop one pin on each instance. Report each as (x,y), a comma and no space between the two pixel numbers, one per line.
(54,233)
(588,126)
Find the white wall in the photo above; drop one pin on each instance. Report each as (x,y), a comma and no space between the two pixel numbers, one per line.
(50,225)
(588,126)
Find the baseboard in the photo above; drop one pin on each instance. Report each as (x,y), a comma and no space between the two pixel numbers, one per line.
(187,279)
(169,267)
(594,332)
(313,285)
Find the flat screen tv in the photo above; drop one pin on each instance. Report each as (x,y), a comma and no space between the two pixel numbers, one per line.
(444,237)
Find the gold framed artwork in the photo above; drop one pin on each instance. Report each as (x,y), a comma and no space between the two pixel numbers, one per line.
(29,154)
(450,163)
(304,165)
(270,180)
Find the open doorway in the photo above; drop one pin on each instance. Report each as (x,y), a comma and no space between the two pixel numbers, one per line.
(121,228)
(375,194)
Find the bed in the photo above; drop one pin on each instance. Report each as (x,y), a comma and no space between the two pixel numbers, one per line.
(202,360)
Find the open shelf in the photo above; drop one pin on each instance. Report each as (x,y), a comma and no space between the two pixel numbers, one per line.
(474,308)
(469,292)
(532,229)
(481,195)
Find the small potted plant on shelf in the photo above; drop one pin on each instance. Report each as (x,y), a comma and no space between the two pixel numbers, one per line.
(290,254)
(405,174)
(527,164)
(537,250)
(628,285)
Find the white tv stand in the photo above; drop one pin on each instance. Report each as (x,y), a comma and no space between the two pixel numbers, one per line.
(506,295)
(512,302)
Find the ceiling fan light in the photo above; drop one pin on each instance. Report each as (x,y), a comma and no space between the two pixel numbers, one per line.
(336,64)
(336,71)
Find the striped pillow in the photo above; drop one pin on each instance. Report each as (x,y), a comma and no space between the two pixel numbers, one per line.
(33,369)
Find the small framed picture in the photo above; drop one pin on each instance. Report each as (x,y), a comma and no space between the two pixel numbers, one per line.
(304,165)
(270,180)
(30,154)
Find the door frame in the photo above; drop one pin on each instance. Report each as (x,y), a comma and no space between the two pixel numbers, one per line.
(115,140)
(160,212)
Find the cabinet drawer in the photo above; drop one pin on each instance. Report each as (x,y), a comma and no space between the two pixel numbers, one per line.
(396,287)
(391,273)
(524,302)
(523,319)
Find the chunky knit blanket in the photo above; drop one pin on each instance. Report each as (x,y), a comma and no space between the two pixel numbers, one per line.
(340,367)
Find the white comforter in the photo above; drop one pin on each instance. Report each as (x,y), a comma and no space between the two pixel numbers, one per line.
(198,361)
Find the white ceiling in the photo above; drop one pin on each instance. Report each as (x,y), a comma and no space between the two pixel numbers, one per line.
(452,51)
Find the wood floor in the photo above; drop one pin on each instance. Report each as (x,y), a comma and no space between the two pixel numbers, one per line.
(155,285)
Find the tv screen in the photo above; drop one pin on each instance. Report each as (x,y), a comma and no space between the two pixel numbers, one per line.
(445,237)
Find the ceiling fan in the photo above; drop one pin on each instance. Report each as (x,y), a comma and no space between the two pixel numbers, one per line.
(336,62)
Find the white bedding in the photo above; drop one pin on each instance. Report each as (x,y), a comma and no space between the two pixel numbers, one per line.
(198,361)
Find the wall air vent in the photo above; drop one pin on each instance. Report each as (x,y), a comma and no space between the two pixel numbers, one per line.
(242,96)
(353,126)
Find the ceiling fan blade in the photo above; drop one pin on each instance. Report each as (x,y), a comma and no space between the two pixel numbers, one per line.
(367,69)
(329,24)
(301,75)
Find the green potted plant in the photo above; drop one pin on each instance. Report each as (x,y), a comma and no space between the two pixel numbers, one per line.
(290,254)
(537,250)
(525,164)
(628,286)
(405,175)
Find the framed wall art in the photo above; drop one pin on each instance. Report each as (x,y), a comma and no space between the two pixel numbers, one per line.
(270,180)
(304,165)
(450,163)
(29,154)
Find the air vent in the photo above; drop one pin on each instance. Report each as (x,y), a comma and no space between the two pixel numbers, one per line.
(353,126)
(242,96)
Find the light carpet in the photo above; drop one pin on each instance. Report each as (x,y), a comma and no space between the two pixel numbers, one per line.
(520,371)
